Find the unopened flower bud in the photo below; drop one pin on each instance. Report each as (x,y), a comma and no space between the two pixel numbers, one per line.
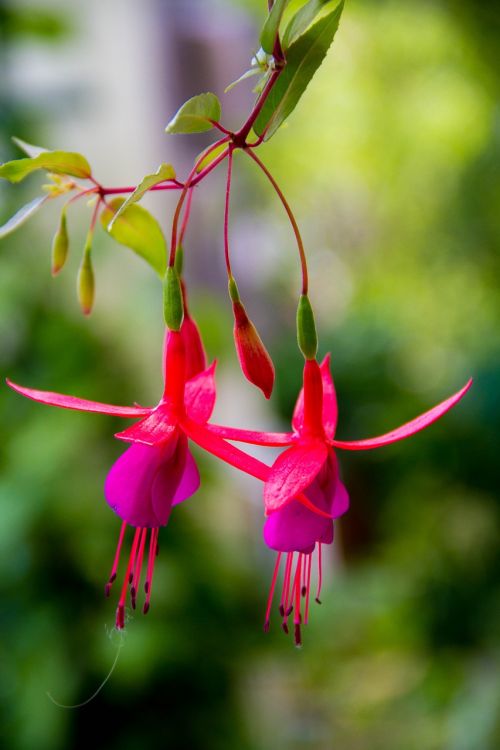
(60,245)
(85,280)
(173,307)
(306,328)
(255,362)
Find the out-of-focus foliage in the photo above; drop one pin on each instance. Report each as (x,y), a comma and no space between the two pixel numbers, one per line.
(397,195)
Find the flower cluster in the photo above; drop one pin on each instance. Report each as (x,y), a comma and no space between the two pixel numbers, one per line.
(302,490)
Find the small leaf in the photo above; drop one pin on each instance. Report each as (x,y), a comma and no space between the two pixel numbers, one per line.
(163,173)
(247,74)
(301,21)
(209,158)
(22,215)
(59,162)
(271,26)
(137,229)
(60,245)
(173,305)
(195,115)
(303,59)
(28,148)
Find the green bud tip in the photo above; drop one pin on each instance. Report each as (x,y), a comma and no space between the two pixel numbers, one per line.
(60,245)
(86,282)
(179,259)
(306,328)
(233,290)
(173,306)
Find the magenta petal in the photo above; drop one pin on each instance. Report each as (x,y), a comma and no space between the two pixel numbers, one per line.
(79,404)
(330,410)
(190,480)
(292,472)
(199,395)
(296,528)
(340,504)
(175,480)
(408,429)
(129,485)
(156,428)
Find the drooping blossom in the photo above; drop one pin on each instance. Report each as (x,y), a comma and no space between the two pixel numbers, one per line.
(309,467)
(157,471)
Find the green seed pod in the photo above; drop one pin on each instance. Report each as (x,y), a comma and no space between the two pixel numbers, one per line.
(85,280)
(173,307)
(306,328)
(60,245)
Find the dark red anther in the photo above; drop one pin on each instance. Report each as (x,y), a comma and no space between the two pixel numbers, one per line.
(297,634)
(120,617)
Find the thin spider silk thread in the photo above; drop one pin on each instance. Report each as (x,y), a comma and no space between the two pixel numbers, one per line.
(100,687)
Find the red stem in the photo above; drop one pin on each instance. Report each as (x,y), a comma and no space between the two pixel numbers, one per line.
(242,134)
(187,212)
(189,183)
(226,211)
(300,244)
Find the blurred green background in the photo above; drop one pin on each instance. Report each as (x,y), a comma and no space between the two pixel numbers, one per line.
(391,163)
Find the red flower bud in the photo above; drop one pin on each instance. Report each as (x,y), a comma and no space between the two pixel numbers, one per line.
(255,362)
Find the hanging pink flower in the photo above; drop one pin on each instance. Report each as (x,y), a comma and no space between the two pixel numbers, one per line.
(157,471)
(308,469)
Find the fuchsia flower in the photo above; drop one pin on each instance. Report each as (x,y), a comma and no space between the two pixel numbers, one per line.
(157,471)
(309,467)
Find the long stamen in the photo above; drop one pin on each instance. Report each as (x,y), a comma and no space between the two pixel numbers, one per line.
(153,551)
(320,574)
(271,592)
(285,609)
(120,611)
(138,567)
(297,618)
(107,588)
(308,567)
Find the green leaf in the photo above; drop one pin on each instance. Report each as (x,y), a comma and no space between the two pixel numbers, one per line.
(303,59)
(301,21)
(28,148)
(247,74)
(22,215)
(137,229)
(163,173)
(195,115)
(271,26)
(209,158)
(59,162)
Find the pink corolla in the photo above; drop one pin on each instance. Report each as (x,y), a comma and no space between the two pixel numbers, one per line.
(157,471)
(308,469)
